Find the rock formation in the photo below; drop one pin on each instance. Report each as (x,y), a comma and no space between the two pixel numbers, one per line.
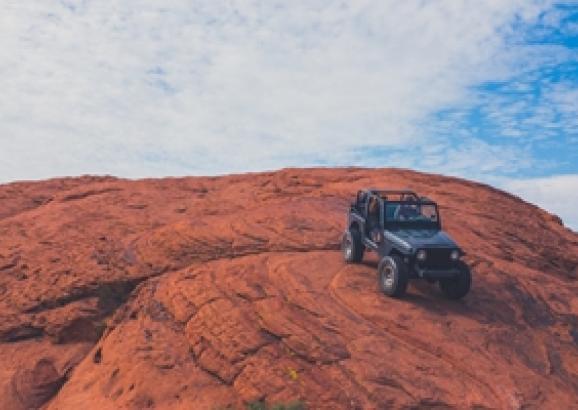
(212,293)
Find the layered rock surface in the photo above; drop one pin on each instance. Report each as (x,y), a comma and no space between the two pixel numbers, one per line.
(205,293)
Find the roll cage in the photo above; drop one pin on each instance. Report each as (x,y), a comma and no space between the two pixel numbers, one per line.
(388,194)
(397,198)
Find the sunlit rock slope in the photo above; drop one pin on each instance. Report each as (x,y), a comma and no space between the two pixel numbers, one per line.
(206,293)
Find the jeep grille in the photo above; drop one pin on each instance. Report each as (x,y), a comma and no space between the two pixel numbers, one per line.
(437,258)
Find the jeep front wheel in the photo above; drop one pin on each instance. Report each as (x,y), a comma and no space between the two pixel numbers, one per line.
(458,287)
(352,246)
(393,276)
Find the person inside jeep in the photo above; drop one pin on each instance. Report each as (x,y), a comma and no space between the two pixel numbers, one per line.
(373,213)
(373,219)
(407,211)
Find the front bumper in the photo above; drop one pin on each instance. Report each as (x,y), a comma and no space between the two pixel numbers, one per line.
(428,273)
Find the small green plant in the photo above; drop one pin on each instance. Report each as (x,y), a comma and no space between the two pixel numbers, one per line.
(296,405)
(261,405)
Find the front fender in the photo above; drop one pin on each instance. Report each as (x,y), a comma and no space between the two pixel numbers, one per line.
(403,246)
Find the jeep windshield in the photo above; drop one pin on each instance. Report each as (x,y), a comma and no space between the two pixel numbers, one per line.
(408,214)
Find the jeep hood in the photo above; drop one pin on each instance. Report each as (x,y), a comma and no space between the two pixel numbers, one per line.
(423,238)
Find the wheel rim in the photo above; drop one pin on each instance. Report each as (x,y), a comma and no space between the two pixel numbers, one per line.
(388,277)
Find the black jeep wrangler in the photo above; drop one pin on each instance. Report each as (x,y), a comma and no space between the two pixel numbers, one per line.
(405,231)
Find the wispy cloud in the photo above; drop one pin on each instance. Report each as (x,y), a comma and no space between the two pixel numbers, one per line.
(136,88)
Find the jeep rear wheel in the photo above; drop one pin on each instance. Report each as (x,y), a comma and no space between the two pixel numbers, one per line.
(352,246)
(458,287)
(393,276)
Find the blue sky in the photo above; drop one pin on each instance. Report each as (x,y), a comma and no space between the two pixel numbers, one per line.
(483,90)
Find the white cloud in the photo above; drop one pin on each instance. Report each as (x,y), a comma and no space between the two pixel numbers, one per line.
(471,158)
(139,88)
(557,194)
(548,110)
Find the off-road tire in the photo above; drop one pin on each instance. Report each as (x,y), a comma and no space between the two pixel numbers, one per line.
(352,246)
(458,287)
(393,276)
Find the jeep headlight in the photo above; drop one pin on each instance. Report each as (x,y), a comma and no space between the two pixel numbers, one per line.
(421,255)
(455,255)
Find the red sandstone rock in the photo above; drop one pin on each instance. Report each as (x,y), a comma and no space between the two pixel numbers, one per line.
(203,293)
